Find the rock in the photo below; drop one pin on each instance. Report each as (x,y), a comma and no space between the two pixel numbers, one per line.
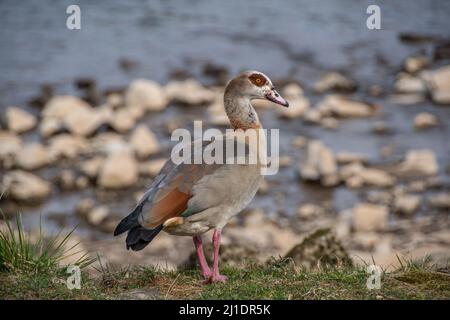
(334,81)
(85,121)
(25,187)
(92,167)
(344,107)
(438,83)
(60,106)
(425,120)
(19,120)
(419,163)
(82,182)
(10,145)
(67,146)
(329,123)
(320,164)
(119,171)
(115,100)
(299,142)
(33,156)
(152,168)
(409,84)
(407,204)
(380,197)
(84,206)
(319,249)
(356,175)
(298,103)
(312,116)
(66,179)
(97,215)
(189,92)
(309,211)
(416,64)
(144,142)
(370,217)
(297,108)
(345,157)
(146,94)
(122,120)
(440,201)
(109,142)
(49,126)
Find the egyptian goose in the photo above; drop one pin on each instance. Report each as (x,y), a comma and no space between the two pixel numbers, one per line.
(191,199)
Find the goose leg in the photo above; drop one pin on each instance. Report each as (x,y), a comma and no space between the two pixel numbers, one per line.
(206,271)
(216,276)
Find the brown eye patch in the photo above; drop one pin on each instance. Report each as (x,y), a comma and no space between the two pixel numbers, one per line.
(257,79)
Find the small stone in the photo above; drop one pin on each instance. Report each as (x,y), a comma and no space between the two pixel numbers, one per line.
(189,92)
(407,204)
(312,116)
(425,120)
(416,64)
(19,120)
(345,157)
(119,171)
(320,164)
(67,179)
(419,162)
(122,120)
(97,215)
(49,126)
(81,182)
(409,84)
(92,167)
(438,83)
(298,106)
(299,142)
(146,94)
(309,211)
(329,123)
(66,146)
(144,142)
(407,98)
(334,81)
(25,187)
(33,156)
(85,121)
(10,145)
(84,206)
(440,201)
(370,217)
(344,107)
(151,168)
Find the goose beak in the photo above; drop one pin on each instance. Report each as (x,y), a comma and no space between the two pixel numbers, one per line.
(275,97)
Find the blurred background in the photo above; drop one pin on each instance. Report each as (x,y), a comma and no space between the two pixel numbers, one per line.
(86,119)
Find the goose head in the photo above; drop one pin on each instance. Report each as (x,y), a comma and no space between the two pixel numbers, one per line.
(256,85)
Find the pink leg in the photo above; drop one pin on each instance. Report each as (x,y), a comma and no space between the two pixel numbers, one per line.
(206,271)
(216,276)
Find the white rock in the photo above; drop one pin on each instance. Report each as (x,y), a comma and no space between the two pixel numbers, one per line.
(298,106)
(24,186)
(438,83)
(345,157)
(144,142)
(409,84)
(97,215)
(85,121)
(10,145)
(407,204)
(425,120)
(356,175)
(310,210)
(312,116)
(122,120)
(292,90)
(320,164)
(146,94)
(49,126)
(66,146)
(299,142)
(60,106)
(33,156)
(151,168)
(109,142)
(19,120)
(370,217)
(415,64)
(189,92)
(92,166)
(329,123)
(344,107)
(440,201)
(120,170)
(419,162)
(407,98)
(334,81)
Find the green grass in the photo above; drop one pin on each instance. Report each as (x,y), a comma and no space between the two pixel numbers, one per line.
(32,270)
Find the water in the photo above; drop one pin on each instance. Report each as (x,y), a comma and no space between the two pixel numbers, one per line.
(293,39)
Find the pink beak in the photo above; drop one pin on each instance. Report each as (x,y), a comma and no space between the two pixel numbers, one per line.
(275,97)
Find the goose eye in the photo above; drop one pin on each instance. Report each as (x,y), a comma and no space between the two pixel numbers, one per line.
(257,80)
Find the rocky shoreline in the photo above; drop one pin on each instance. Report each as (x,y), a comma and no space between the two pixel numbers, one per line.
(101,151)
